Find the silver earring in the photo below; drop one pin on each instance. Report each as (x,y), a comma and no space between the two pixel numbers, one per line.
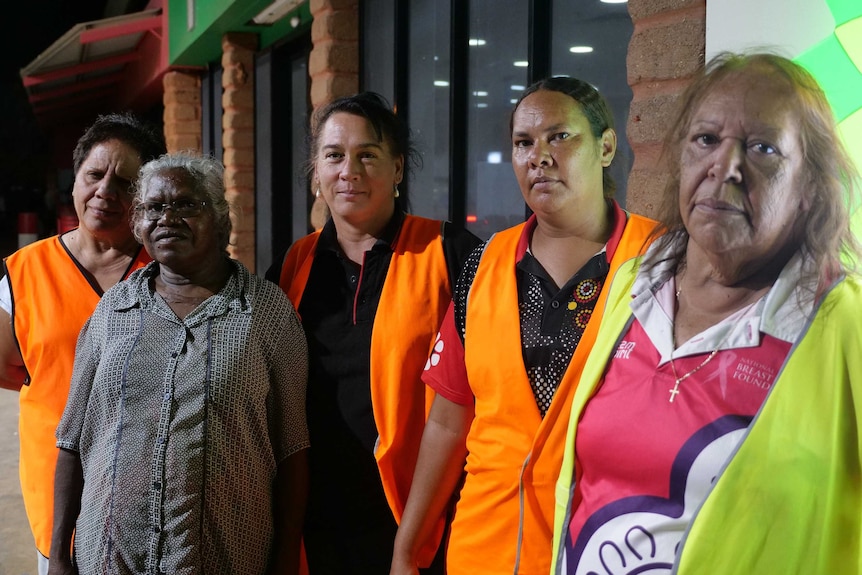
(317,192)
(397,193)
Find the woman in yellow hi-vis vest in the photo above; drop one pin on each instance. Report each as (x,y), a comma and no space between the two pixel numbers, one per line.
(715,428)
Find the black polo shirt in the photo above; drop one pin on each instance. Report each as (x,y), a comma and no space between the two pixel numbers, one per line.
(338,307)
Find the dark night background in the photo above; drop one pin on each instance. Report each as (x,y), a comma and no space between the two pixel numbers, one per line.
(24,152)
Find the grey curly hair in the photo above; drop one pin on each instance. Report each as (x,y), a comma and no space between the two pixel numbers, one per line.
(207,178)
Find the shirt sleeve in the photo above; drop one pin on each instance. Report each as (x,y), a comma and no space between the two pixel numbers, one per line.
(5,295)
(87,354)
(288,378)
(445,371)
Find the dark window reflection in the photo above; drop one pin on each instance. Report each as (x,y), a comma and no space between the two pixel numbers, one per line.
(590,42)
(428,106)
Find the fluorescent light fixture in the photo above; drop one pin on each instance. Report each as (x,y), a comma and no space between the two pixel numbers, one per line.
(521,64)
(441,83)
(481,105)
(517,87)
(513,101)
(495,157)
(480,93)
(190,14)
(581,49)
(477,42)
(275,11)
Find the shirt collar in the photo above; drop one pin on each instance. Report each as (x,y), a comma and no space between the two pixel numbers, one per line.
(618,219)
(782,313)
(136,291)
(328,240)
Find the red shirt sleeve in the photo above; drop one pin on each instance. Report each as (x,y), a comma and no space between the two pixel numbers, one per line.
(445,371)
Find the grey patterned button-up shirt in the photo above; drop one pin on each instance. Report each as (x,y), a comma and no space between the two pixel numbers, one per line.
(180,426)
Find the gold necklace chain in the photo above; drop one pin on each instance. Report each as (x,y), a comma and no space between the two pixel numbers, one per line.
(675,390)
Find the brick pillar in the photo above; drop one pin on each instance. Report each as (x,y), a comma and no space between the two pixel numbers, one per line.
(333,64)
(182,115)
(238,51)
(667,46)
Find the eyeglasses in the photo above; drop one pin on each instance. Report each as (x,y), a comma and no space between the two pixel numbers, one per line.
(154,211)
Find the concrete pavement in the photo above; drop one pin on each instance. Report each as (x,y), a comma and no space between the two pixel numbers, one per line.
(17,550)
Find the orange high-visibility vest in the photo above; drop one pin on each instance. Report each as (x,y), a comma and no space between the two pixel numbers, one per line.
(51,301)
(505,516)
(415,297)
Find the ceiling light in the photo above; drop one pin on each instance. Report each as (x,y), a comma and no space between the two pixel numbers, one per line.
(275,11)
(441,83)
(495,157)
(477,42)
(521,64)
(581,49)
(480,93)
(481,105)
(517,88)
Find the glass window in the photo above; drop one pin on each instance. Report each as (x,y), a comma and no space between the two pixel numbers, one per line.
(282,198)
(459,67)
(428,106)
(378,55)
(498,72)
(590,41)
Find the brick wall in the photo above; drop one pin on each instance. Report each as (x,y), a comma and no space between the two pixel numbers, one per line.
(666,48)
(182,115)
(237,61)
(333,64)
(334,61)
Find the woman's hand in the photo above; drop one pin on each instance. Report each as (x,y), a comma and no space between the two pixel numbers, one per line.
(438,470)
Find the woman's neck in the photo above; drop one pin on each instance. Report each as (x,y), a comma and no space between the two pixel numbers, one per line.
(104,259)
(564,249)
(355,239)
(706,294)
(207,277)
(85,245)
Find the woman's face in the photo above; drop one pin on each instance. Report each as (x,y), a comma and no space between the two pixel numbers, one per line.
(355,173)
(557,160)
(182,242)
(102,189)
(742,181)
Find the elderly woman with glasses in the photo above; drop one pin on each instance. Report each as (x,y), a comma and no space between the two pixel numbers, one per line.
(182,446)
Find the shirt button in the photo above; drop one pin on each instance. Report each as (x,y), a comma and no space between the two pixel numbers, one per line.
(157,485)
(555,304)
(353,279)
(174,355)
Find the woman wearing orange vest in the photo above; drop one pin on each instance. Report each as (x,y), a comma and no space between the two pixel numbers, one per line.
(511,347)
(50,288)
(371,288)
